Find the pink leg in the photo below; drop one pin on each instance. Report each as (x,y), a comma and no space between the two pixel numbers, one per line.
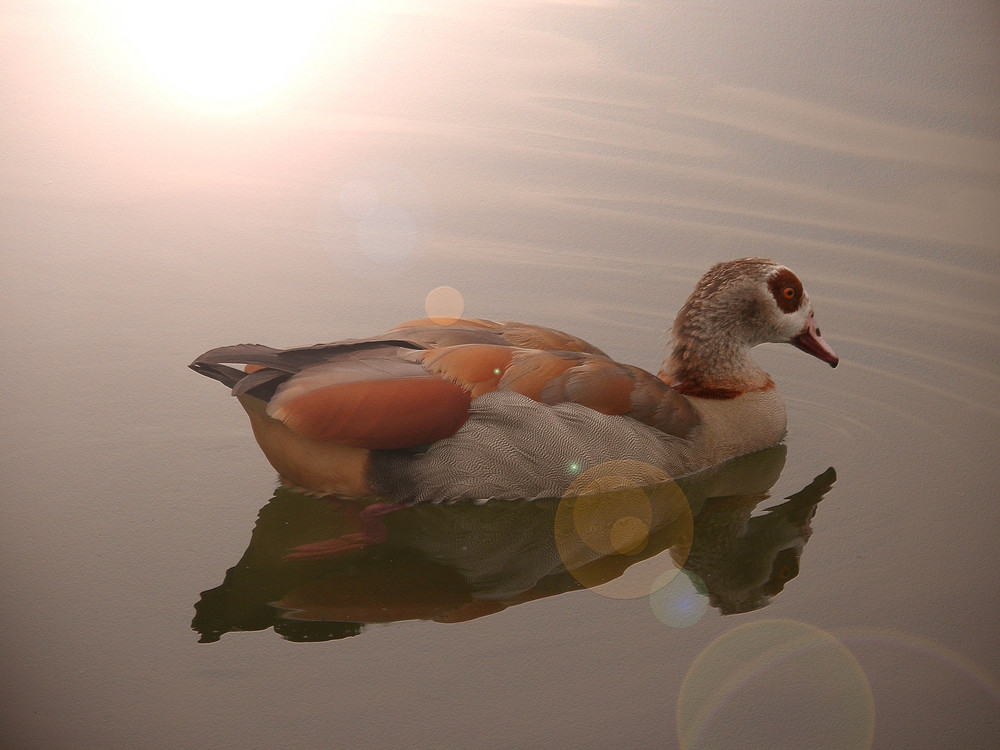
(372,532)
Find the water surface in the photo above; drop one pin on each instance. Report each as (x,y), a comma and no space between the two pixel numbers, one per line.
(576,165)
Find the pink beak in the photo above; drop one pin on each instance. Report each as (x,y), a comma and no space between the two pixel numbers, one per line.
(812,343)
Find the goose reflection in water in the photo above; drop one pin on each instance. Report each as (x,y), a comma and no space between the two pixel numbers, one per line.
(459,562)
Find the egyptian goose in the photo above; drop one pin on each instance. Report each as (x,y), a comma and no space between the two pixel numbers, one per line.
(479,410)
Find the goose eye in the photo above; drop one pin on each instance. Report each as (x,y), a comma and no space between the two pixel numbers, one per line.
(788,292)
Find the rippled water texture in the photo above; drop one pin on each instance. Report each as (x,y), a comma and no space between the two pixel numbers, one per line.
(572,164)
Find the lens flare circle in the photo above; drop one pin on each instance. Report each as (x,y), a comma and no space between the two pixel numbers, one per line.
(802,685)
(929,654)
(387,234)
(629,535)
(358,198)
(373,220)
(678,601)
(444,305)
(623,529)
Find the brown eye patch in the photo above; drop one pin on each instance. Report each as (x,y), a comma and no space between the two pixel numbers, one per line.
(786,290)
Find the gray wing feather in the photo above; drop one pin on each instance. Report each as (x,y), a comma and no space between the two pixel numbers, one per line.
(513,447)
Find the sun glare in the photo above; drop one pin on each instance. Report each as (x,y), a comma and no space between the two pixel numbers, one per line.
(228,55)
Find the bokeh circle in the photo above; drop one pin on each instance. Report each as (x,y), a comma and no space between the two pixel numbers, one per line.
(776,683)
(624,529)
(444,305)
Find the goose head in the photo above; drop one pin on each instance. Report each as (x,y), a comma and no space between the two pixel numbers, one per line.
(734,307)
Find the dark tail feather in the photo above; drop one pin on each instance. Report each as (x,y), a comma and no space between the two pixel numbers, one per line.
(248,354)
(228,376)
(293,360)
(280,364)
(254,383)
(261,383)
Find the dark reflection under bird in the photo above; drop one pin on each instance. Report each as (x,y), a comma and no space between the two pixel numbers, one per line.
(458,562)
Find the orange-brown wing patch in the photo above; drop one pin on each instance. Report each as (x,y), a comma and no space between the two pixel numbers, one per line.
(530,371)
(428,333)
(380,414)
(475,367)
(528,336)
(599,384)
(657,404)
(613,388)
(402,328)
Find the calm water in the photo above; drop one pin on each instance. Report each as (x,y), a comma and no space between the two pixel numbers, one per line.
(577,165)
